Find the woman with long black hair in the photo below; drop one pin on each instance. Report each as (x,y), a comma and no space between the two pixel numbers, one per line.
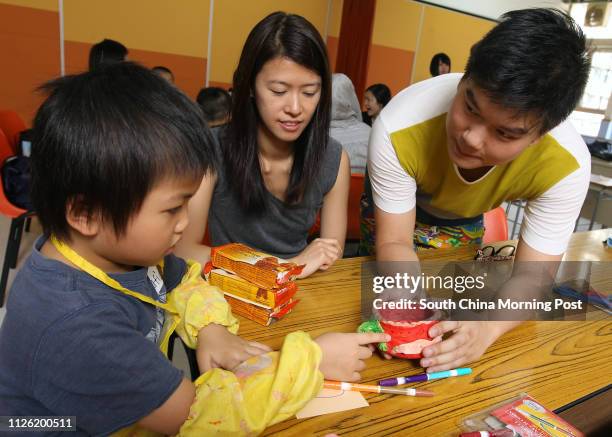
(278,165)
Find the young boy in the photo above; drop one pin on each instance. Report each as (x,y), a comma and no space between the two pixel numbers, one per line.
(119,152)
(446,150)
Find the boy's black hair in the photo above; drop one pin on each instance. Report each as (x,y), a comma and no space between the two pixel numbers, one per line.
(535,61)
(105,138)
(107,51)
(381,93)
(434,65)
(216,103)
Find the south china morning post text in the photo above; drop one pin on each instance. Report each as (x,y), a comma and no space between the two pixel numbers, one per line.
(465,290)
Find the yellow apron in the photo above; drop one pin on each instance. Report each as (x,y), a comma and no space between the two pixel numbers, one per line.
(264,390)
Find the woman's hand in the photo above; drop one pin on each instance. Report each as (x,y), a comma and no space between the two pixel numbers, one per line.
(320,254)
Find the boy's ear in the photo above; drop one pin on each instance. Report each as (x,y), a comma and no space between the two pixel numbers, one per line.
(78,219)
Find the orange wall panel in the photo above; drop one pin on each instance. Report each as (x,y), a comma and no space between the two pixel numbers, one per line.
(450,32)
(76,55)
(334,18)
(234,19)
(396,24)
(179,27)
(390,66)
(189,71)
(29,39)
(224,85)
(48,5)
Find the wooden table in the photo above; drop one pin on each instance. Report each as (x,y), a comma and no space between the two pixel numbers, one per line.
(555,362)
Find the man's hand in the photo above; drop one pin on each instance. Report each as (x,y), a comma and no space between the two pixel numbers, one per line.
(217,347)
(467,343)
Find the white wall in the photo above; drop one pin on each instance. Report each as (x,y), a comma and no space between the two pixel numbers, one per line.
(494,8)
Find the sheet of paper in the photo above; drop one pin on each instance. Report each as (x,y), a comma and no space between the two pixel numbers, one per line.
(332,401)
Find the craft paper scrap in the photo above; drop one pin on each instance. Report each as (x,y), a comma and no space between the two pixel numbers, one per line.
(332,401)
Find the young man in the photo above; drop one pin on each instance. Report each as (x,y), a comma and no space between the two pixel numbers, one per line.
(446,150)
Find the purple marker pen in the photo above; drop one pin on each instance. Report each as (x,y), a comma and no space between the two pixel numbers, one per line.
(425,377)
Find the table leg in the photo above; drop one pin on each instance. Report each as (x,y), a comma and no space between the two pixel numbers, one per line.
(597,199)
(518,213)
(576,224)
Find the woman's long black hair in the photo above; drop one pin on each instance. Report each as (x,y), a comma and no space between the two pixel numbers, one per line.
(279,35)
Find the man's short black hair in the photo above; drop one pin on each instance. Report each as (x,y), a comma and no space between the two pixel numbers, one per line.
(216,103)
(535,61)
(107,51)
(105,138)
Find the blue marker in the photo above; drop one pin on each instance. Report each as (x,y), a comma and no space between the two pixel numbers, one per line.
(425,377)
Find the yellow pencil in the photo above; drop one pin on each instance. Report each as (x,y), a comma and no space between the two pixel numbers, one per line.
(376,389)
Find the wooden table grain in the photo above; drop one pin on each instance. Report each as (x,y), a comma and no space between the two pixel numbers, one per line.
(555,362)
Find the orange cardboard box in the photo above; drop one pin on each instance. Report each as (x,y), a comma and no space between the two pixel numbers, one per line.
(261,269)
(236,286)
(257,313)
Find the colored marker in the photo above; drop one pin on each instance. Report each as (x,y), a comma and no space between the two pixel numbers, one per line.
(425,377)
(543,422)
(497,433)
(376,389)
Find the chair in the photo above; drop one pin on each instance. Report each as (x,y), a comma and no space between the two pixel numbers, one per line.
(315,229)
(520,204)
(18,217)
(353,214)
(192,358)
(206,239)
(12,125)
(496,226)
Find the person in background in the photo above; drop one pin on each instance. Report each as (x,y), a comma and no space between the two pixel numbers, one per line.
(440,64)
(279,165)
(375,98)
(90,313)
(346,125)
(163,72)
(216,103)
(105,52)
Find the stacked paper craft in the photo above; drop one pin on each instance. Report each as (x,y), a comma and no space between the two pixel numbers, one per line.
(257,286)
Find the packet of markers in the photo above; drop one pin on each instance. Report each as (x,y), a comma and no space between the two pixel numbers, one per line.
(520,416)
(258,286)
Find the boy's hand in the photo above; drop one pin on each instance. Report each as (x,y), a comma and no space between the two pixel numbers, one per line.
(320,254)
(343,354)
(217,347)
(469,341)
